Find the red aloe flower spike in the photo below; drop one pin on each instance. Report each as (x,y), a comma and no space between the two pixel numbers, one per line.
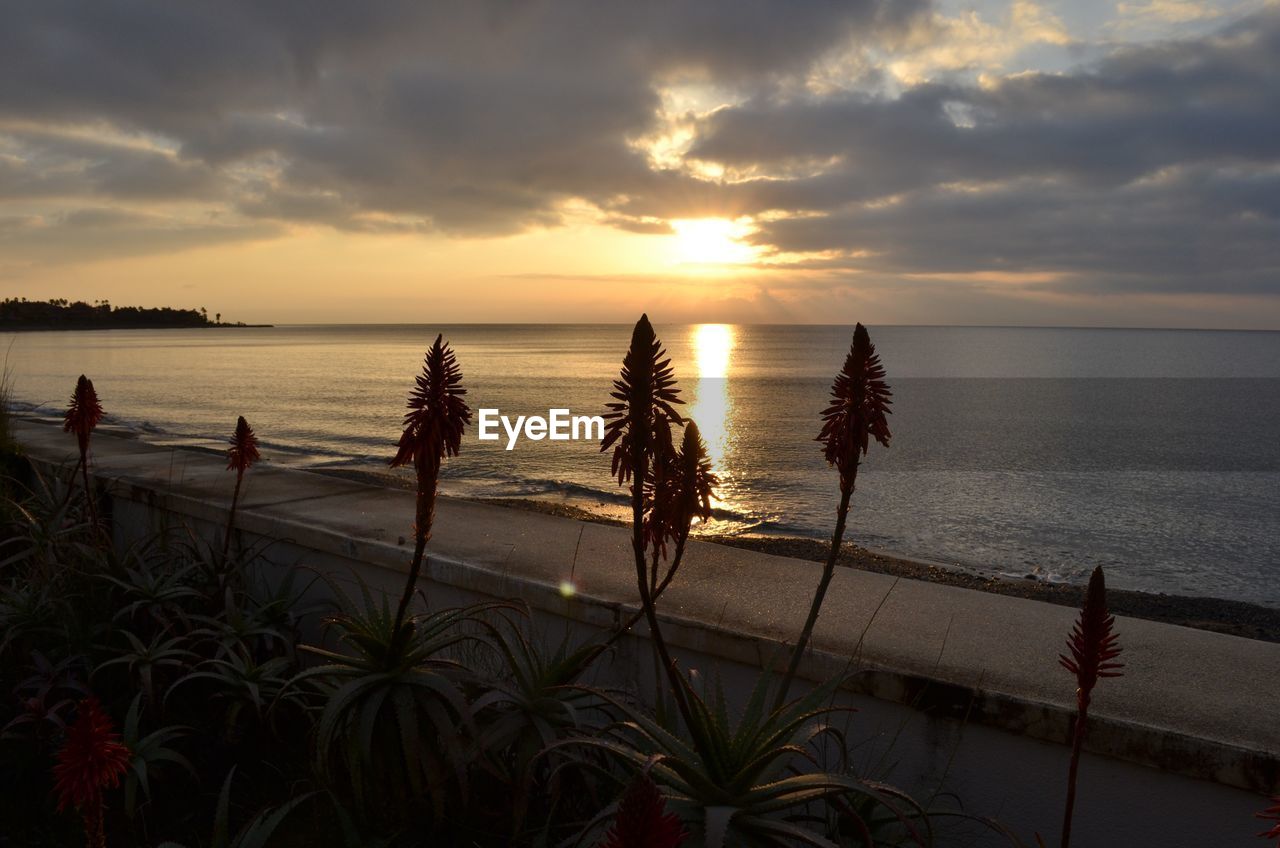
(241,455)
(437,413)
(82,416)
(643,821)
(679,488)
(1094,647)
(83,413)
(91,760)
(697,482)
(687,492)
(858,412)
(243,452)
(661,488)
(432,431)
(1093,644)
(645,387)
(637,427)
(859,408)
(1272,813)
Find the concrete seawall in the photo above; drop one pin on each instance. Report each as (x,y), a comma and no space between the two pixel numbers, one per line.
(957,687)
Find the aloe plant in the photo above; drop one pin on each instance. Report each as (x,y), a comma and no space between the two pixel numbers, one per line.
(638,427)
(860,400)
(432,431)
(92,759)
(390,734)
(536,701)
(643,821)
(755,779)
(1093,647)
(1272,814)
(150,752)
(241,456)
(83,414)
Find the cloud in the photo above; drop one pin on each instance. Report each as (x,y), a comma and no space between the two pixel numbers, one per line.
(474,118)
(1154,169)
(109,233)
(867,139)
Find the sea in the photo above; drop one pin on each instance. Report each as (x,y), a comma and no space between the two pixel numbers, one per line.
(1036,453)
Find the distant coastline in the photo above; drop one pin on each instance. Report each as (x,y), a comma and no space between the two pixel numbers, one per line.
(20,314)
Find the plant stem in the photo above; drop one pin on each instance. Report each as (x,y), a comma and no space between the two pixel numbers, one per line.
(71,486)
(828,571)
(1077,743)
(647,598)
(657,593)
(88,493)
(428,480)
(415,569)
(231,516)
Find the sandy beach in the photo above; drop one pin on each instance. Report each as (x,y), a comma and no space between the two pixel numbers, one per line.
(1235,618)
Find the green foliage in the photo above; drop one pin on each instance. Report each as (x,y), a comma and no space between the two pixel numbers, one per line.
(390,736)
(536,701)
(459,726)
(755,780)
(20,313)
(256,833)
(149,752)
(128,626)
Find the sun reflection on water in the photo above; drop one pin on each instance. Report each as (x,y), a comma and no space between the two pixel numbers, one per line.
(713,346)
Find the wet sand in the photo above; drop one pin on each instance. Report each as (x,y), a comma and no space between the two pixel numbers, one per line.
(1234,618)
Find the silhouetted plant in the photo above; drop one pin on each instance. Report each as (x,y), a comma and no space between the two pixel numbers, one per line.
(389,737)
(858,412)
(1272,814)
(150,752)
(241,456)
(680,488)
(91,760)
(150,664)
(679,493)
(643,395)
(1093,646)
(755,779)
(643,821)
(432,430)
(535,701)
(638,428)
(82,416)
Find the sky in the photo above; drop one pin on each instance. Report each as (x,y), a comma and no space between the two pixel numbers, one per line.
(1074,162)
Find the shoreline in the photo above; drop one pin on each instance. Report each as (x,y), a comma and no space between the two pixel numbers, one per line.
(1218,615)
(54,328)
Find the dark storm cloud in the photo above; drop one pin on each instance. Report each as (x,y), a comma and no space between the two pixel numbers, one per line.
(475,117)
(1156,169)
(40,164)
(104,232)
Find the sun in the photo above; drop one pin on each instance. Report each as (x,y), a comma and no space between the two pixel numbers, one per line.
(712,241)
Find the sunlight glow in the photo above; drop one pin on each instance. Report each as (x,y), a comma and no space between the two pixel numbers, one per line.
(713,346)
(712,241)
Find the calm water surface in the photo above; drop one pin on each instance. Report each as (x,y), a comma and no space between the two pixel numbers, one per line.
(1046,451)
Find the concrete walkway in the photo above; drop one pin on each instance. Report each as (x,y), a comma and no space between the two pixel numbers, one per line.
(1191,702)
